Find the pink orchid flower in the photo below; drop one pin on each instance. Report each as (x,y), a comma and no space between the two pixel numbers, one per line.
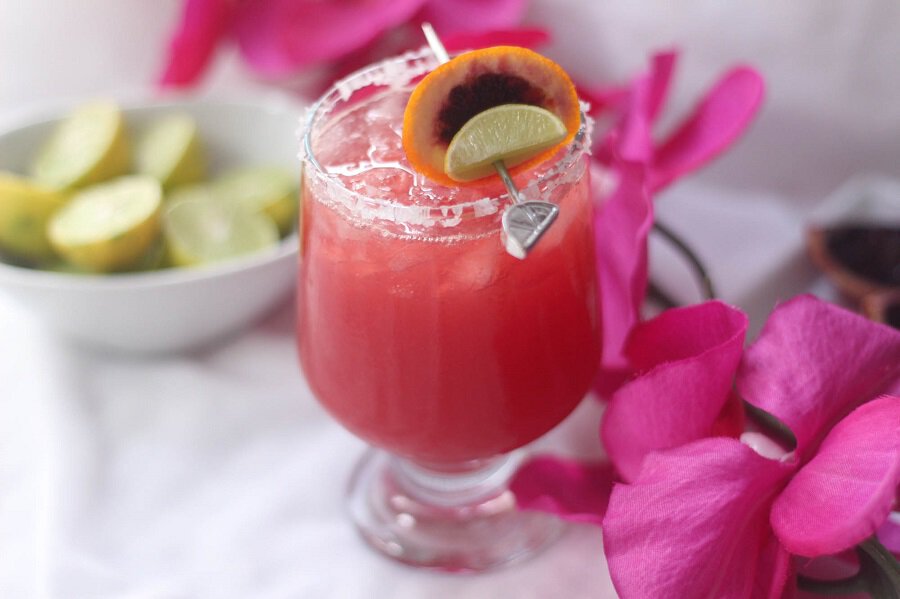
(411,37)
(704,514)
(280,37)
(641,167)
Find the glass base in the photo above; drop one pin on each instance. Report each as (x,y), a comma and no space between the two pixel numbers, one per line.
(459,519)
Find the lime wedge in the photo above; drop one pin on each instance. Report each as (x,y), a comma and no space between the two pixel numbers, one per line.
(110,226)
(170,150)
(267,189)
(89,146)
(512,133)
(201,231)
(25,208)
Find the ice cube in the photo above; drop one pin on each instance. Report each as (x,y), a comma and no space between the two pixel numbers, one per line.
(475,269)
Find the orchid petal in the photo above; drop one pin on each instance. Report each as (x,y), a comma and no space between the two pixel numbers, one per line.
(635,135)
(640,104)
(404,39)
(684,333)
(775,571)
(278,36)
(604,98)
(572,490)
(717,122)
(601,98)
(624,219)
(889,535)
(622,222)
(814,362)
(525,38)
(457,16)
(694,353)
(203,25)
(695,524)
(731,420)
(845,492)
(662,67)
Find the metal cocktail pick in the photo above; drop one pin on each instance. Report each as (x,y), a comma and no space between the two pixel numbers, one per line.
(524,222)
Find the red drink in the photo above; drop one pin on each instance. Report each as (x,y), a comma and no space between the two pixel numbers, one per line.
(416,329)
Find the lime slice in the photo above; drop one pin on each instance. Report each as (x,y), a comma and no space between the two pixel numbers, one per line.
(170,150)
(155,258)
(89,146)
(25,208)
(61,266)
(201,231)
(190,192)
(110,226)
(512,133)
(270,190)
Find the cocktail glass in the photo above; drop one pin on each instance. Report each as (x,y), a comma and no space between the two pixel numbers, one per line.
(422,336)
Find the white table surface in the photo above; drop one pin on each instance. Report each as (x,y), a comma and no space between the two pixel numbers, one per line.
(216,474)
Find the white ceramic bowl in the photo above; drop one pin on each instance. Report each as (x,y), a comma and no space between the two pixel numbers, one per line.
(171,309)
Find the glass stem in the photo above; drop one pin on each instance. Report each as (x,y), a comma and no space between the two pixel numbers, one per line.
(455,485)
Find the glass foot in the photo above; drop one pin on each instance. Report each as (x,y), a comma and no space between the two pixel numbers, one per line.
(460,519)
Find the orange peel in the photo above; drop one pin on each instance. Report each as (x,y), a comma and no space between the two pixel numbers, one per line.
(445,99)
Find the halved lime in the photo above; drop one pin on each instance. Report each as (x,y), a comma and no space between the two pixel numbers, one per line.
(199,191)
(110,226)
(89,146)
(64,267)
(25,208)
(155,258)
(170,150)
(266,189)
(201,231)
(512,133)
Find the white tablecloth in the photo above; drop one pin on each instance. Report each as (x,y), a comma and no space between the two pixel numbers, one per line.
(215,473)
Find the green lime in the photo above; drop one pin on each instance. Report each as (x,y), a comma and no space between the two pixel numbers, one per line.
(89,146)
(266,189)
(511,133)
(64,267)
(170,150)
(200,191)
(155,258)
(205,230)
(109,227)
(25,209)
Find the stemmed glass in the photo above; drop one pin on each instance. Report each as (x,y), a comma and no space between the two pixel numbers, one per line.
(422,336)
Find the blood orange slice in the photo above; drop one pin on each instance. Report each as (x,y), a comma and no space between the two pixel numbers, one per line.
(455,92)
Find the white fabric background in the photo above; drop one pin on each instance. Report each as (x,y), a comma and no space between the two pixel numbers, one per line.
(215,473)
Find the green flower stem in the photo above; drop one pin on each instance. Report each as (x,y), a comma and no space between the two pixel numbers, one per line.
(772,426)
(707,288)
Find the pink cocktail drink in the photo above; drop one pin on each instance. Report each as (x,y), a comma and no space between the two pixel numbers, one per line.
(440,347)
(416,330)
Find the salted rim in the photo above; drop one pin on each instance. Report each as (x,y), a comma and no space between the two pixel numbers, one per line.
(396,73)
